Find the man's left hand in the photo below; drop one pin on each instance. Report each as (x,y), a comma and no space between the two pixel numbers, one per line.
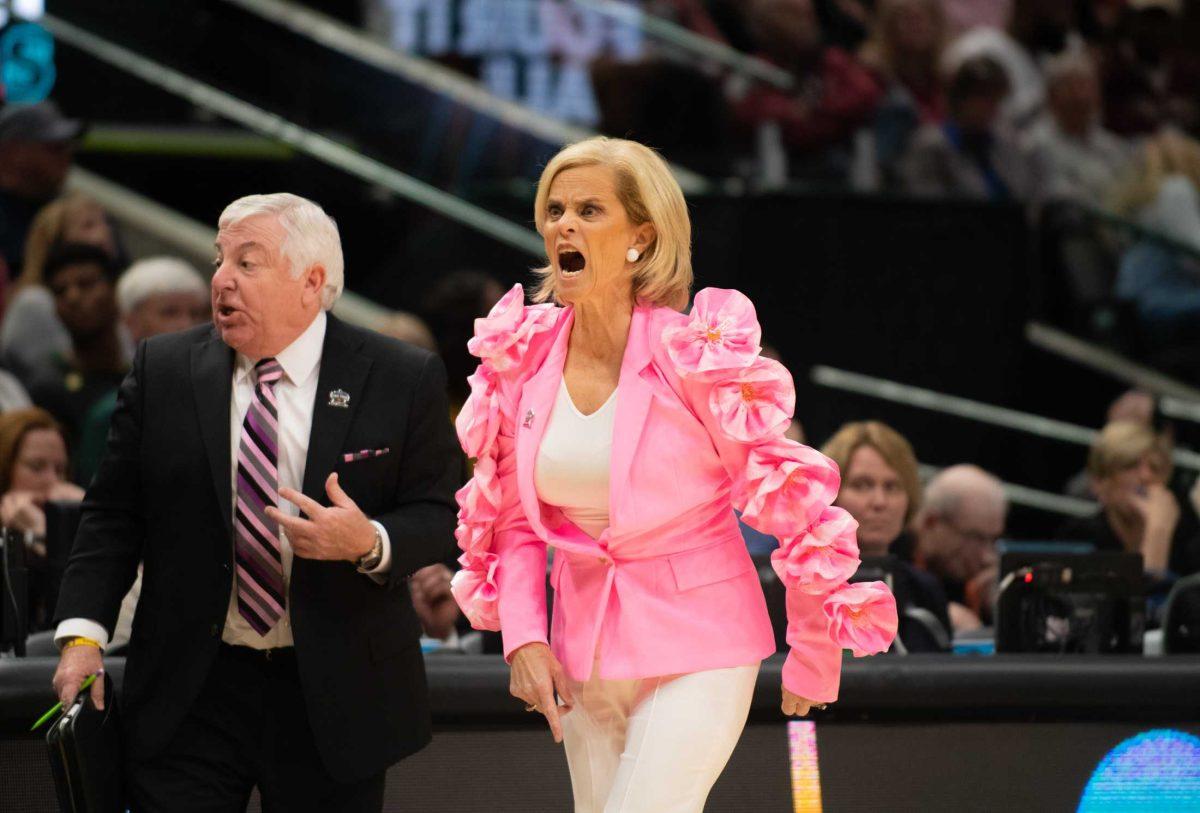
(340,532)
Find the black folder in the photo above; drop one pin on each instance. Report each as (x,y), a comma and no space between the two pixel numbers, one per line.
(85,755)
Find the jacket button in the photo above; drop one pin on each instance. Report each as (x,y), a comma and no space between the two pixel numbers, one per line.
(214,630)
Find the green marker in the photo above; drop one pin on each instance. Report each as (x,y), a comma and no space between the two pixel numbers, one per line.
(58,706)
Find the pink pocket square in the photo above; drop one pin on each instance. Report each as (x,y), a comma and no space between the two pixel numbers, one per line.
(365,454)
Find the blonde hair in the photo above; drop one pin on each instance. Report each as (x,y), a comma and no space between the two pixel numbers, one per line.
(1168,153)
(1122,444)
(891,446)
(650,194)
(47,229)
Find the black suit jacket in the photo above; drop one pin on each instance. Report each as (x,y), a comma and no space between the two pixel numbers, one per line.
(163,496)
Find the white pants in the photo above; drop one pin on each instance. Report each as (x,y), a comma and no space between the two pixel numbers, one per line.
(655,745)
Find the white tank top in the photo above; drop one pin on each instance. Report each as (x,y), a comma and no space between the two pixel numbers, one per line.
(572,465)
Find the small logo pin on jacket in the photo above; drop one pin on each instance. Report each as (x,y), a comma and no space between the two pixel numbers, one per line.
(339,398)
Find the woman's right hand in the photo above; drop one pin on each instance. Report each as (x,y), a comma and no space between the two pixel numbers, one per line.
(536,677)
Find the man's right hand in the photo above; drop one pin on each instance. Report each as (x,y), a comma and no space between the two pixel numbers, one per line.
(74,666)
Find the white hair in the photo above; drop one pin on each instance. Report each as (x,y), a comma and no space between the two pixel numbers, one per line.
(154,276)
(310,237)
(946,492)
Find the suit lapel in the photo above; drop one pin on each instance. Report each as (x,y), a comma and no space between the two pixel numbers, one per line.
(533,416)
(633,403)
(342,368)
(212,386)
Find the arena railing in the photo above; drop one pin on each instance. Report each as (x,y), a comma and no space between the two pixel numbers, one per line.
(1185,397)
(303,140)
(969,409)
(352,43)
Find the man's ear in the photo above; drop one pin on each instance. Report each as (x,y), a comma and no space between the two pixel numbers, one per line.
(314,280)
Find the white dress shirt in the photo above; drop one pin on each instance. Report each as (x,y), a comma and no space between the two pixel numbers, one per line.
(295,394)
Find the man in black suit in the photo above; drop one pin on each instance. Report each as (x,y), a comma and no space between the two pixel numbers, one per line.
(279,477)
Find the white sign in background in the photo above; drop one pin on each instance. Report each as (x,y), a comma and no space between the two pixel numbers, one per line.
(21,10)
(536,52)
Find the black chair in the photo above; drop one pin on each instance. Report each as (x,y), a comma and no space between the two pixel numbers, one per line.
(1181,617)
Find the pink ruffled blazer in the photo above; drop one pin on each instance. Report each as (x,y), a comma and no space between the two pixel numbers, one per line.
(668,588)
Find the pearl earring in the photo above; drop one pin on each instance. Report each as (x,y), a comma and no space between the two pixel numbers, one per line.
(632,255)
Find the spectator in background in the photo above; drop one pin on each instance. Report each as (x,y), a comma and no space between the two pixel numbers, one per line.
(83,281)
(408,327)
(156,295)
(1162,191)
(450,308)
(881,489)
(12,393)
(846,23)
(36,147)
(1082,159)
(833,94)
(162,295)
(960,519)
(32,338)
(966,15)
(1151,73)
(1130,465)
(33,470)
(1135,406)
(1162,194)
(905,53)
(1037,30)
(970,155)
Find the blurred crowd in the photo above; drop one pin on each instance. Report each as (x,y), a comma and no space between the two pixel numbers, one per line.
(1022,100)
(1084,113)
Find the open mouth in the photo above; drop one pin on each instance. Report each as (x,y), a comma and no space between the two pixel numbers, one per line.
(225,310)
(571,262)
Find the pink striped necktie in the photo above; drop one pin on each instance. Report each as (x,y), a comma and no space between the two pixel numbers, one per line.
(256,537)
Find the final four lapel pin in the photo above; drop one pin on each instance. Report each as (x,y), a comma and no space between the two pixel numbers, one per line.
(528,419)
(339,398)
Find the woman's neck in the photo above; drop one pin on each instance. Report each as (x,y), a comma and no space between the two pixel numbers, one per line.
(601,327)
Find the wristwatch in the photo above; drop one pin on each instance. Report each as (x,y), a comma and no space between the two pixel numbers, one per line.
(370,560)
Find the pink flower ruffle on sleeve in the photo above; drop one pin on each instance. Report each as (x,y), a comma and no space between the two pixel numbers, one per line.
(474,587)
(478,421)
(502,338)
(756,403)
(822,558)
(862,617)
(721,334)
(785,487)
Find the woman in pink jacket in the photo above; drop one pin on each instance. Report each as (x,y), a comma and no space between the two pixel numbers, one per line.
(622,434)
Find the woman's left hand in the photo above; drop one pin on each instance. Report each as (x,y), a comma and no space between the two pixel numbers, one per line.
(795,705)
